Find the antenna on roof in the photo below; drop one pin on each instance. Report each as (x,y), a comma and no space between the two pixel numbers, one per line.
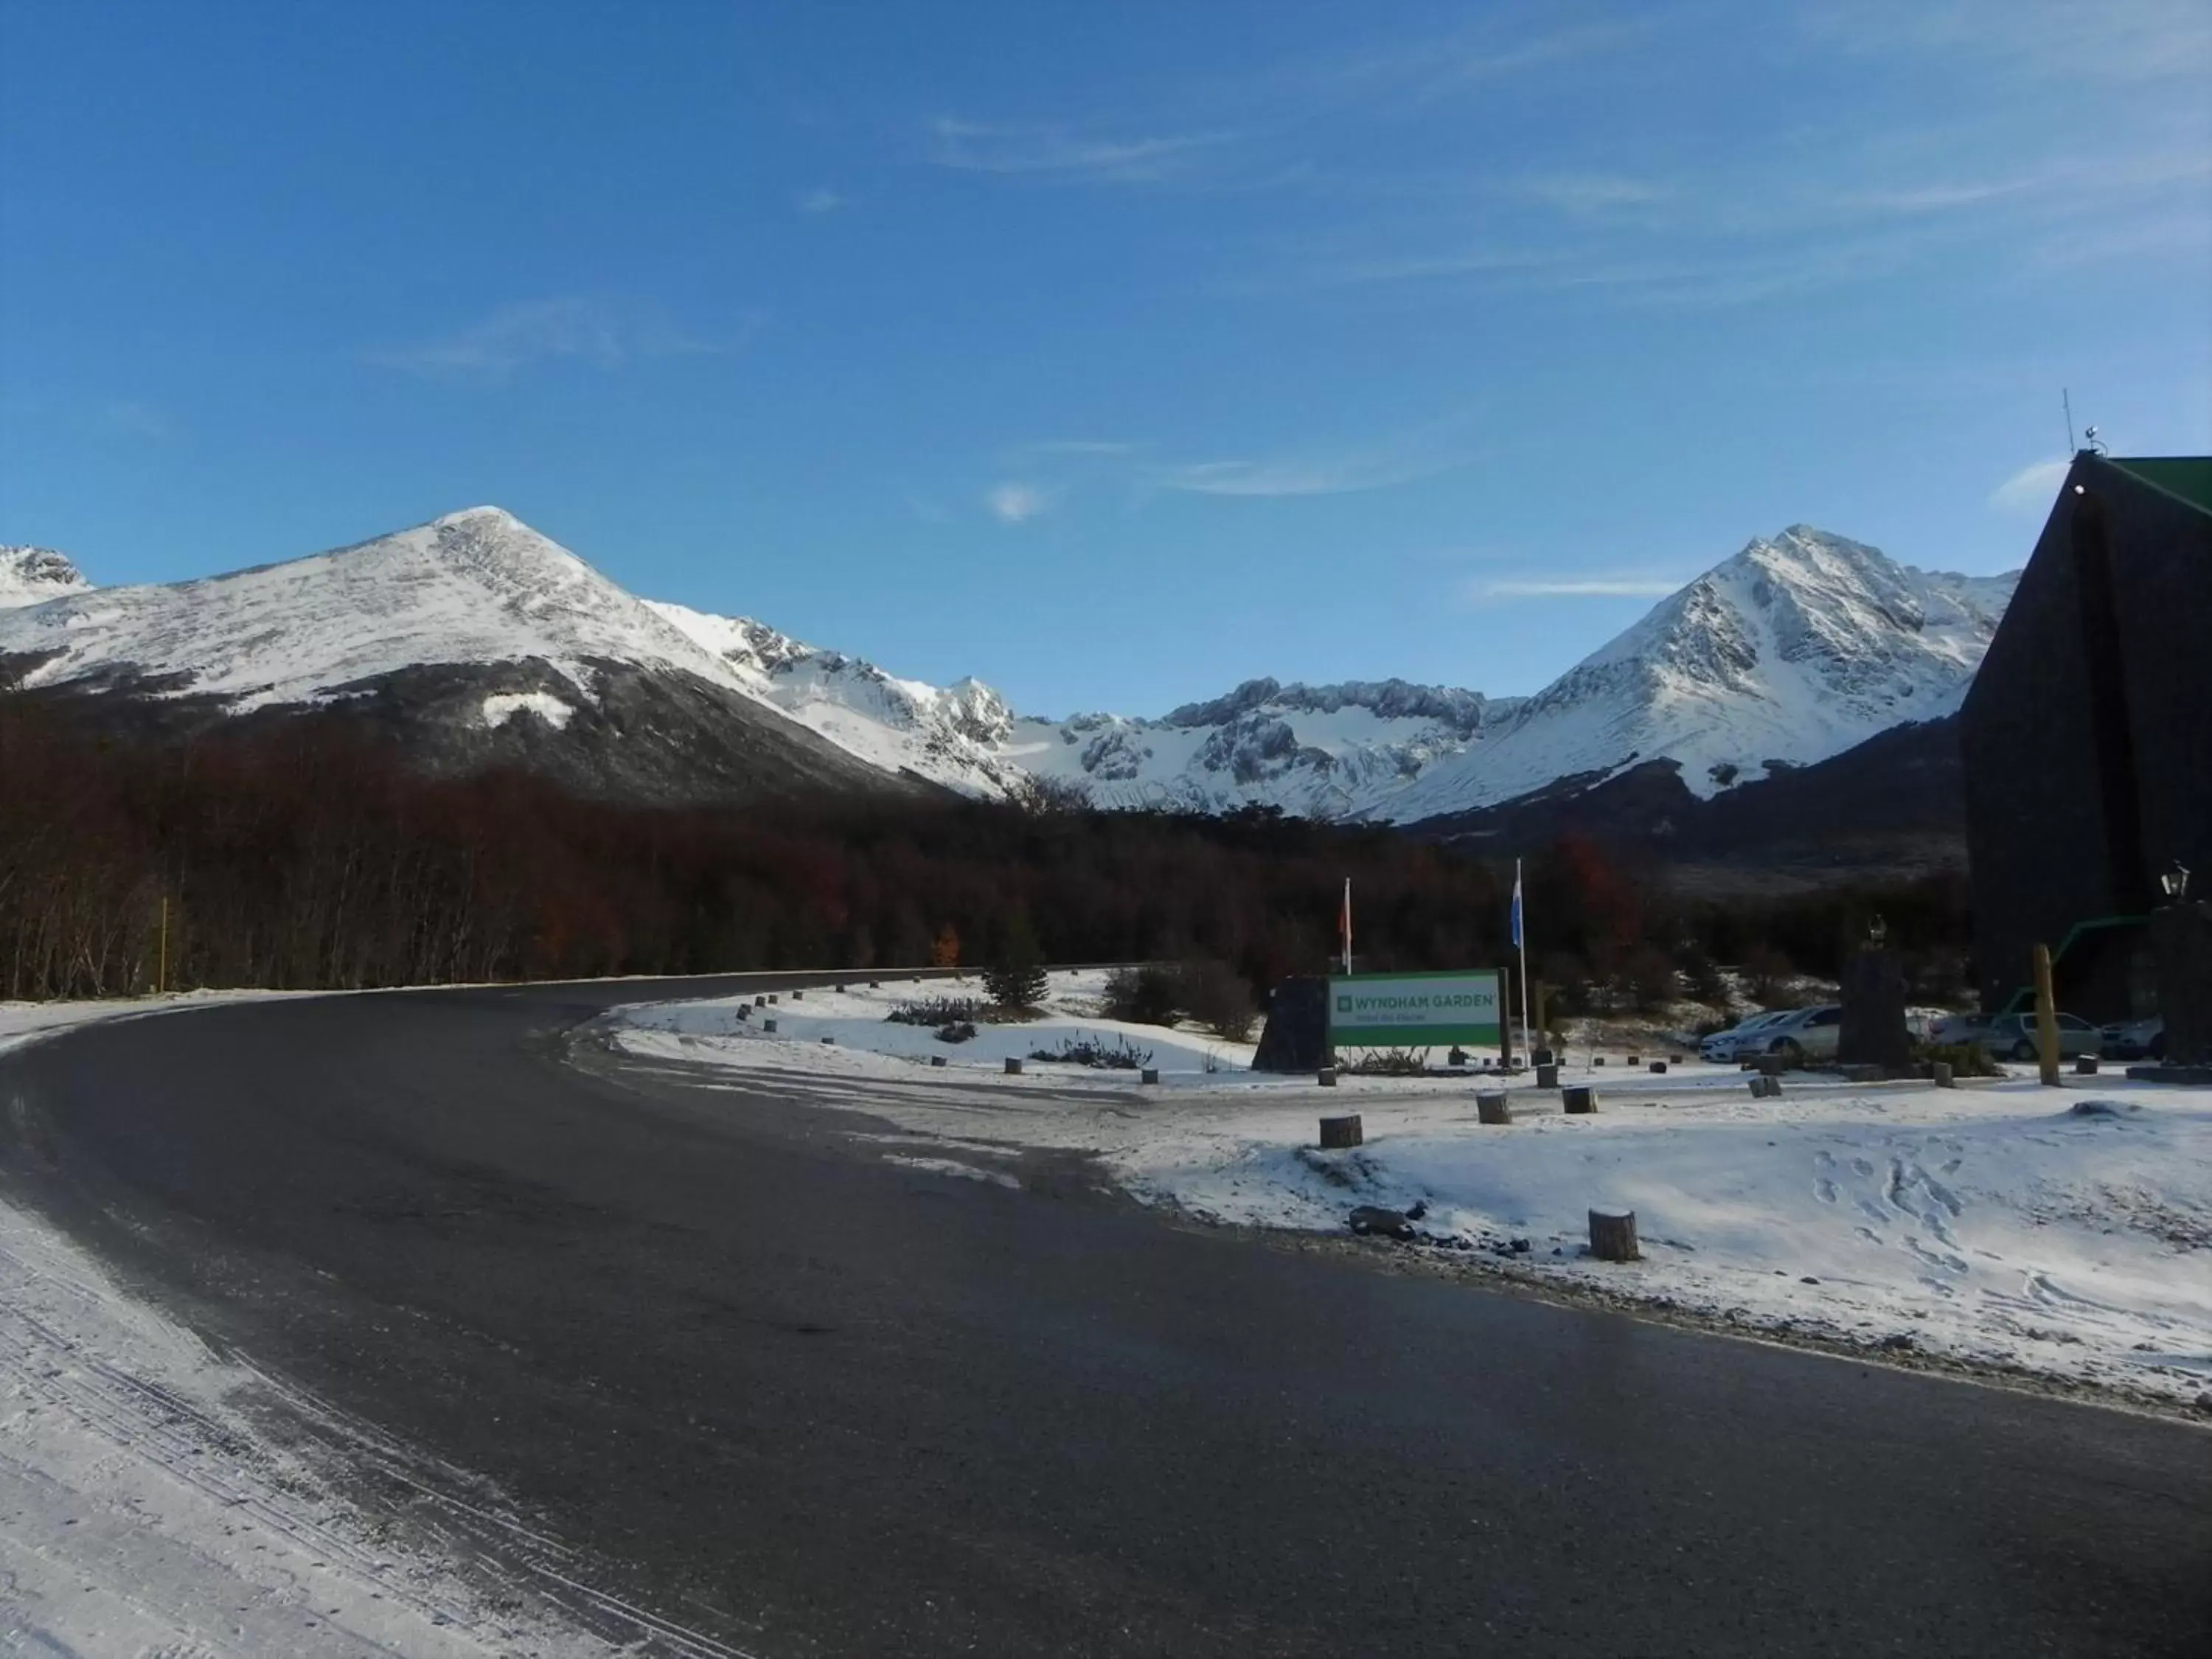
(2066,399)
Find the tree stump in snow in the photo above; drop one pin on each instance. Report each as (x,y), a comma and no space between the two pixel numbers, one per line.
(1612,1235)
(2086,1066)
(1490,1107)
(1338,1133)
(799,996)
(1658,1066)
(1636,1059)
(1013,1067)
(828,1040)
(1548,1077)
(937,1059)
(1150,1074)
(1597,1059)
(1326,1076)
(1944,1076)
(768,1026)
(1579,1099)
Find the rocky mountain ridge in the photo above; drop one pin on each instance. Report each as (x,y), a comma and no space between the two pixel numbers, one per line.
(1794,649)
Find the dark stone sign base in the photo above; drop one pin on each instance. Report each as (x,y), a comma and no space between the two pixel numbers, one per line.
(1295,1036)
(2181,943)
(2195,1076)
(1873,1033)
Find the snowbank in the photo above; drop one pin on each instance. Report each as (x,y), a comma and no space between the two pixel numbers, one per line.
(863,1041)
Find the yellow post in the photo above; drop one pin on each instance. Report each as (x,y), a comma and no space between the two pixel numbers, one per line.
(2046,1018)
(161,967)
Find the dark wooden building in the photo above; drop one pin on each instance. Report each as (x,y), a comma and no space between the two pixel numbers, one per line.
(2087,736)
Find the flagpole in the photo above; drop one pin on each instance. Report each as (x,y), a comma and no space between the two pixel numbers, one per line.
(1521,939)
(1347,927)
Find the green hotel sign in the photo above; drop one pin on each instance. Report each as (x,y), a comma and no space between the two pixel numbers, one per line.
(1416,1011)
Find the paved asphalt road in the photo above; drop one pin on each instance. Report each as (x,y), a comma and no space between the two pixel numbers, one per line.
(814,1403)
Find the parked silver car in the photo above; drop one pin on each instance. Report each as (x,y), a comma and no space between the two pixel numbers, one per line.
(1741,1038)
(2012,1036)
(2133,1039)
(1803,1034)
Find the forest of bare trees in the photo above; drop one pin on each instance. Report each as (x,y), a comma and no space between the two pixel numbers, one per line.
(308,854)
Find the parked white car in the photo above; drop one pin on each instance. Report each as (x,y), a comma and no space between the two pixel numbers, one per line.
(2012,1036)
(1803,1034)
(1741,1038)
(1960,1028)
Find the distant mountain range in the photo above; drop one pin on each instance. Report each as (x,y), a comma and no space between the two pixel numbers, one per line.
(480,640)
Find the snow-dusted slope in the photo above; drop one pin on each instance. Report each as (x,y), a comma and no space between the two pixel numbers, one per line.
(473,587)
(32,575)
(1796,649)
(954,735)
(1323,751)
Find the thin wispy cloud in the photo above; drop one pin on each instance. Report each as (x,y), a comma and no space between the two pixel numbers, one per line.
(815,202)
(2032,489)
(1440,66)
(1066,154)
(1315,475)
(602,333)
(1079,446)
(1504,590)
(134,419)
(1585,195)
(1016,503)
(2124,41)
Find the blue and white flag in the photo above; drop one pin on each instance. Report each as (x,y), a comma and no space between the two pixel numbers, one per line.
(1517,904)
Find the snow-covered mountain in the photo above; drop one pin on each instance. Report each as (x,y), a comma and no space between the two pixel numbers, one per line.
(32,575)
(1793,650)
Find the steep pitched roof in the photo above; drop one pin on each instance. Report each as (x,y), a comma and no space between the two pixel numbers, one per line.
(2187,478)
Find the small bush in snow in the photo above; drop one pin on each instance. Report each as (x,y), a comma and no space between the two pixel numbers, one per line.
(1141,996)
(1117,1053)
(1965,1058)
(936,1010)
(1215,995)
(963,1030)
(1388,1062)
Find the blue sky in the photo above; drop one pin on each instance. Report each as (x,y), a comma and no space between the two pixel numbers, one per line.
(1112,354)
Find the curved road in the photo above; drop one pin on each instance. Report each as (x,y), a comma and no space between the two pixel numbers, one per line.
(779,1390)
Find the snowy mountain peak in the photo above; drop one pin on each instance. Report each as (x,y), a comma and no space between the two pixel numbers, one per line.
(1795,647)
(32,575)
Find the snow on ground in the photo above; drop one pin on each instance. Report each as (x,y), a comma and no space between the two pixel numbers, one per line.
(864,1043)
(1989,1224)
(144,1511)
(26,1022)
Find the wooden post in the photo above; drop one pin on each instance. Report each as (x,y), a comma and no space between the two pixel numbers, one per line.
(1490,1107)
(1944,1077)
(1540,993)
(1337,1133)
(161,967)
(2046,1018)
(1612,1235)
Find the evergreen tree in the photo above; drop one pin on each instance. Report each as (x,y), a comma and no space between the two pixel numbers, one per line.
(1016,977)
